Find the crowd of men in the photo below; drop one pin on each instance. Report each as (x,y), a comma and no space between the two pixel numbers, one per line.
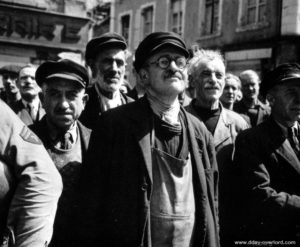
(84,164)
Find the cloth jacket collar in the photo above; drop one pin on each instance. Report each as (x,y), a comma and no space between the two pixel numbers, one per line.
(281,144)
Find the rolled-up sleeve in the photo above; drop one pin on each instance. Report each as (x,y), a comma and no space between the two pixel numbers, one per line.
(36,181)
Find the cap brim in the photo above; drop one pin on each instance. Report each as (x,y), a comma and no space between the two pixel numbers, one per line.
(170,43)
(70,77)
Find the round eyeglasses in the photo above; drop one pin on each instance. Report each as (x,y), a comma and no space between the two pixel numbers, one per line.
(164,62)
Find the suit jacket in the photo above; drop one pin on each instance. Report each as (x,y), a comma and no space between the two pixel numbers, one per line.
(228,127)
(118,179)
(92,109)
(264,111)
(21,110)
(270,175)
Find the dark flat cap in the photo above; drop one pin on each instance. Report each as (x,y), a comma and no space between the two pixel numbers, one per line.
(155,42)
(280,75)
(11,69)
(97,44)
(65,69)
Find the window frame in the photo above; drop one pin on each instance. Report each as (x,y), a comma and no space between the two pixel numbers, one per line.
(218,23)
(181,21)
(143,9)
(120,29)
(243,20)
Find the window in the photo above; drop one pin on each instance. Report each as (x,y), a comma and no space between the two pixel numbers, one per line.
(211,18)
(255,12)
(147,16)
(125,25)
(176,16)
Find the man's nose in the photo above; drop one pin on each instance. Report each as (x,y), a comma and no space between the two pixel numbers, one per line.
(114,66)
(173,66)
(64,103)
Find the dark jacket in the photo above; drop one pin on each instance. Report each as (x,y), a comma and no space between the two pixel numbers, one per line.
(119,179)
(93,110)
(270,175)
(20,109)
(264,111)
(229,125)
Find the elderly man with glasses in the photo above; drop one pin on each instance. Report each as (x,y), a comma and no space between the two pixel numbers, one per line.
(152,168)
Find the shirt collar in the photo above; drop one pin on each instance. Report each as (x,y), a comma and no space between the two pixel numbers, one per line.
(285,129)
(55,135)
(35,103)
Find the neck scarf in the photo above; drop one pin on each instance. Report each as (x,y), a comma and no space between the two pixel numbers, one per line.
(166,112)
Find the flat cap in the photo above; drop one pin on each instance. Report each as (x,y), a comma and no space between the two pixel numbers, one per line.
(65,69)
(11,68)
(155,42)
(281,74)
(97,44)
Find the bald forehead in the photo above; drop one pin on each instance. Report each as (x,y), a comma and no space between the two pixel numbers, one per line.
(249,75)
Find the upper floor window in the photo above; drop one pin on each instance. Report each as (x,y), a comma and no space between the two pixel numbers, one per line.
(252,14)
(176,17)
(210,24)
(125,27)
(147,16)
(255,11)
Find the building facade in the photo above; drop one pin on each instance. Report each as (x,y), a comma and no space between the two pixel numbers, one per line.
(252,34)
(35,31)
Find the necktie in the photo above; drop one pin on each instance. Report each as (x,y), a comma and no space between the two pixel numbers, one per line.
(66,143)
(32,112)
(292,135)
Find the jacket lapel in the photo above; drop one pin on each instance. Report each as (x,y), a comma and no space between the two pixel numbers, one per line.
(222,131)
(142,129)
(287,152)
(282,145)
(85,134)
(195,154)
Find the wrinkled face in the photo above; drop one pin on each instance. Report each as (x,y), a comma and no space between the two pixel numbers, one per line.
(27,84)
(285,102)
(9,83)
(230,92)
(250,86)
(110,69)
(169,81)
(209,80)
(63,101)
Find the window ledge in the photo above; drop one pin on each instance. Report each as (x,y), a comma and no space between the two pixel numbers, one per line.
(254,26)
(210,36)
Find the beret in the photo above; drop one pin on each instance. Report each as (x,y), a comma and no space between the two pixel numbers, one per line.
(65,69)
(111,39)
(153,43)
(283,73)
(11,68)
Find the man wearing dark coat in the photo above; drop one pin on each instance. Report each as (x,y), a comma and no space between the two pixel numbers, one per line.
(29,107)
(268,156)
(152,172)
(250,105)
(207,75)
(106,56)
(63,86)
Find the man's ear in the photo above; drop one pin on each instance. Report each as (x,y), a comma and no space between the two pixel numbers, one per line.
(144,77)
(270,98)
(85,99)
